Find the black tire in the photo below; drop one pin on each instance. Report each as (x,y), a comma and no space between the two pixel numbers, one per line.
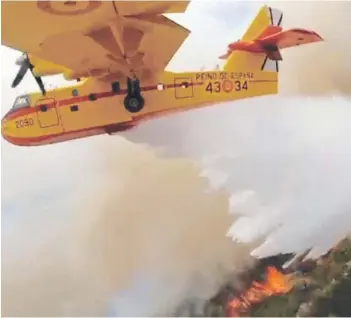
(134,104)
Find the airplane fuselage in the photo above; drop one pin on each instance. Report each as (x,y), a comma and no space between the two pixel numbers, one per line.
(92,107)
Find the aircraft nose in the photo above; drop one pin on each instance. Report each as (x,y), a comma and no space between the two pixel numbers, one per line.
(10,133)
(5,128)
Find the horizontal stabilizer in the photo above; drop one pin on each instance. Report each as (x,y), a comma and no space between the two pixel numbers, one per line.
(290,38)
(260,46)
(225,56)
(270,30)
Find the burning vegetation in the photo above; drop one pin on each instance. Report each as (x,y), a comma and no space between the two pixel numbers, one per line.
(306,288)
(276,283)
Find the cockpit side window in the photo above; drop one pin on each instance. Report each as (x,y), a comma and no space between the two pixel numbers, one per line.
(21,102)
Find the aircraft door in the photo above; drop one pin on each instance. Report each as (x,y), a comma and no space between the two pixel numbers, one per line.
(48,116)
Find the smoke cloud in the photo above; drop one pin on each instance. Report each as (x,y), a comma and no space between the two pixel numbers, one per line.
(142,229)
(321,69)
(126,245)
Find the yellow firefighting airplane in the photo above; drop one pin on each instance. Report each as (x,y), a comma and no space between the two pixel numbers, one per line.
(117,51)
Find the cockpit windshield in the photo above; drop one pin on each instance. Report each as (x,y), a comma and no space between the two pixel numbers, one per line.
(21,102)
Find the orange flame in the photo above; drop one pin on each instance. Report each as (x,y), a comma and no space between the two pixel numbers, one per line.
(276,283)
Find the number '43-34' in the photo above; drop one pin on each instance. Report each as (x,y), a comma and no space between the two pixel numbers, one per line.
(226,86)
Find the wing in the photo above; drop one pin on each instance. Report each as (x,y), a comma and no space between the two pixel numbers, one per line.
(96,38)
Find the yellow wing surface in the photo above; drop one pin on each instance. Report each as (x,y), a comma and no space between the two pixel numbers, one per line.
(95,38)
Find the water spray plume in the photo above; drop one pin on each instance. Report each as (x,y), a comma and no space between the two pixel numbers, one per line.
(136,214)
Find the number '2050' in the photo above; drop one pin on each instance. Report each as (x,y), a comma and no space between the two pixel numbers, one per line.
(24,122)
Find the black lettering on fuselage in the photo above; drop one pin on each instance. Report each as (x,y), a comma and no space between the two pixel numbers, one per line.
(26,122)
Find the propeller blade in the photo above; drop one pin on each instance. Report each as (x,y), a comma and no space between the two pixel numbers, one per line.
(21,60)
(40,84)
(19,77)
(24,63)
(38,79)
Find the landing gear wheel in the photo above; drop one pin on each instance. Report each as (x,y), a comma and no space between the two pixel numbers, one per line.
(134,104)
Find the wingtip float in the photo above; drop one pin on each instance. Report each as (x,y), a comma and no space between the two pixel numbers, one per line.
(109,48)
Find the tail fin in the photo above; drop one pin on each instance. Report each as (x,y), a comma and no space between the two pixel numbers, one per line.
(268,21)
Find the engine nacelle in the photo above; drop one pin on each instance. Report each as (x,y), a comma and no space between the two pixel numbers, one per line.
(45,68)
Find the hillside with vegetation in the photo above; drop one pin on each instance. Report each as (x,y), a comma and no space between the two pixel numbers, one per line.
(320,288)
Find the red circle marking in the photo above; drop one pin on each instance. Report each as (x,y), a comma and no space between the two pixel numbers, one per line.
(227,86)
(47,7)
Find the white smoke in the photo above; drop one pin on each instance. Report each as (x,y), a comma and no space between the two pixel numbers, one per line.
(288,156)
(132,233)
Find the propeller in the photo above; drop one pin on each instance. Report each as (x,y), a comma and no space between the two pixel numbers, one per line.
(24,63)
